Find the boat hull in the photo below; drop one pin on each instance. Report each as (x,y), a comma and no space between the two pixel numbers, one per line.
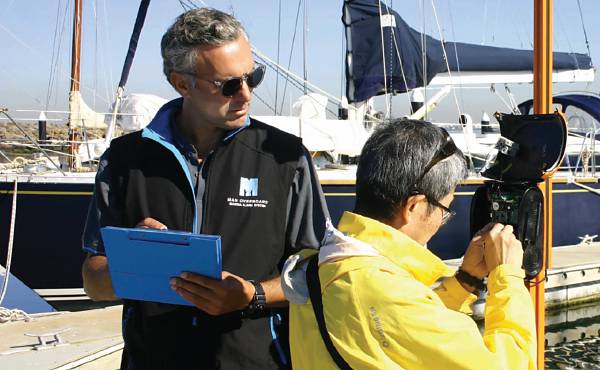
(50,218)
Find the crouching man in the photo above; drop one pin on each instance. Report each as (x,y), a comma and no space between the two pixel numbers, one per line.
(371,305)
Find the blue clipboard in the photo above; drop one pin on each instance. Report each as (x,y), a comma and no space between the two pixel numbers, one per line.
(141,261)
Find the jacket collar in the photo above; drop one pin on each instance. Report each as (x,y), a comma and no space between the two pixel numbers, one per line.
(395,246)
(161,125)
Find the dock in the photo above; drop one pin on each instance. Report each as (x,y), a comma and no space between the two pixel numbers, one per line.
(92,339)
(73,340)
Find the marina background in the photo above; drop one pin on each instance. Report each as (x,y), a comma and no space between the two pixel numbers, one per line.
(39,48)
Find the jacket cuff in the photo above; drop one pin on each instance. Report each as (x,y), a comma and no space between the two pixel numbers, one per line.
(458,298)
(505,274)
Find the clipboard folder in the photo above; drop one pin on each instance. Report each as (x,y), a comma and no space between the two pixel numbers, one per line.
(141,261)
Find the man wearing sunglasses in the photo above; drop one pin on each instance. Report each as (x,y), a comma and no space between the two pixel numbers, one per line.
(203,165)
(365,301)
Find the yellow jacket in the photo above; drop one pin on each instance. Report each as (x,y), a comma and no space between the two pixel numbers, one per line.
(382,314)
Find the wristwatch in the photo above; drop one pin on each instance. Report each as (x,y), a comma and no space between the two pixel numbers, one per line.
(256,307)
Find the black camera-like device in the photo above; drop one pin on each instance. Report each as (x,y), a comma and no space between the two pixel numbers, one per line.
(530,148)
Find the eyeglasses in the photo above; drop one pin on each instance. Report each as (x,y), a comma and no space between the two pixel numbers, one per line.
(447,213)
(446,150)
(232,85)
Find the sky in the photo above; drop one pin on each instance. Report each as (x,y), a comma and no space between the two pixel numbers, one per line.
(36,41)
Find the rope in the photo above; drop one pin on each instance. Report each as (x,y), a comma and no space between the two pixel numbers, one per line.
(5,313)
(19,162)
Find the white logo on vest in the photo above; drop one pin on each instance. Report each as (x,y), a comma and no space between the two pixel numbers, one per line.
(247,194)
(248,187)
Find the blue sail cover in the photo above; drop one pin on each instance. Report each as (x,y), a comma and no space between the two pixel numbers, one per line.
(133,41)
(365,61)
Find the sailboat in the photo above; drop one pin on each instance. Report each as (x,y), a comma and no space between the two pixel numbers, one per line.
(386,56)
(56,240)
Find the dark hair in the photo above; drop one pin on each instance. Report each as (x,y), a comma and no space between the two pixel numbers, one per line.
(393,159)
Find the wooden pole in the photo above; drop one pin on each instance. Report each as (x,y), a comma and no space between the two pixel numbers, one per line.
(74,109)
(76,47)
(542,102)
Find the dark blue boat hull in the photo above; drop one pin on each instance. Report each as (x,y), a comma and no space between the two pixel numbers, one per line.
(50,219)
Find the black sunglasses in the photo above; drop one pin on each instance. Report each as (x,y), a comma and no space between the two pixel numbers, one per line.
(446,150)
(232,85)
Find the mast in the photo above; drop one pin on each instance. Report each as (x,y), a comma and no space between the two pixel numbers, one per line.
(76,48)
(542,102)
(74,106)
(133,42)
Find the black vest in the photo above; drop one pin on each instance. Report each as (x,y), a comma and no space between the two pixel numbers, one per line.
(245,201)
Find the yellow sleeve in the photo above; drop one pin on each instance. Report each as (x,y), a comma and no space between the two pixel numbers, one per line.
(413,329)
(454,296)
(509,316)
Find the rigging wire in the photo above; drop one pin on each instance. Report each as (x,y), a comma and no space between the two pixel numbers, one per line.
(107,71)
(495,21)
(278,48)
(587,41)
(304,43)
(516,28)
(460,89)
(53,57)
(485,14)
(468,151)
(569,45)
(296,81)
(494,91)
(391,54)
(36,53)
(107,79)
(263,101)
(397,49)
(387,106)
(424,54)
(95,13)
(291,54)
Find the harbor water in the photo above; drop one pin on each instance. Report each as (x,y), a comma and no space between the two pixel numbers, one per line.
(573,338)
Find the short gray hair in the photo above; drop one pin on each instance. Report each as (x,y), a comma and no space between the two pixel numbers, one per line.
(392,161)
(197,27)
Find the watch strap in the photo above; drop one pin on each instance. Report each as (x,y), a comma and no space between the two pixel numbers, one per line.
(257,306)
(465,277)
